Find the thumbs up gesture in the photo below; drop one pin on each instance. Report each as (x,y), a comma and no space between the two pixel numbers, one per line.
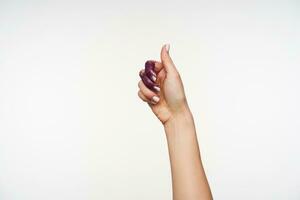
(162,88)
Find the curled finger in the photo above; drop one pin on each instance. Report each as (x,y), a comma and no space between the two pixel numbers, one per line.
(149,83)
(147,93)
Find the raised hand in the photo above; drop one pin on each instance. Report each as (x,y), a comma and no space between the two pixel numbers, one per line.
(161,87)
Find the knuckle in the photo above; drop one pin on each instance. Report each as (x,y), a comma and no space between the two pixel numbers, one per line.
(141,72)
(142,97)
(140,84)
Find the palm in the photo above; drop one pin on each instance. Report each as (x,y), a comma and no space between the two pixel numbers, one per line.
(171,95)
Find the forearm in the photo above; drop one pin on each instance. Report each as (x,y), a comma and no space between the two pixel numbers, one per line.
(188,177)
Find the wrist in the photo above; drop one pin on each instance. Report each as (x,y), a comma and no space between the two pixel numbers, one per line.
(182,116)
(180,127)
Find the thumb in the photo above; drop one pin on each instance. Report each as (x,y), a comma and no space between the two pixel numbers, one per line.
(166,59)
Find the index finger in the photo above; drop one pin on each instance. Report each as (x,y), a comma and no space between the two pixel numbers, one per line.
(157,66)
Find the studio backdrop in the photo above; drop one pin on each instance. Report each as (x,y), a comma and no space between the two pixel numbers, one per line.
(73,127)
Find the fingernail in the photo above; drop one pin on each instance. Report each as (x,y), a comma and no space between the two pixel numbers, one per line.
(156,88)
(152,72)
(153,78)
(167,47)
(155,99)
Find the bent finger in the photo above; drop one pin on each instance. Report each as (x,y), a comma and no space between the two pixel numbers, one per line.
(149,83)
(157,65)
(142,96)
(149,94)
(149,73)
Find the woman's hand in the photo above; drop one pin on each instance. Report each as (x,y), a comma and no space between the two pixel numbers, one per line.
(161,87)
(163,90)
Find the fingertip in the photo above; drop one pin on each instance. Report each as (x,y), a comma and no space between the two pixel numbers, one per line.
(166,59)
(167,47)
(155,99)
(147,81)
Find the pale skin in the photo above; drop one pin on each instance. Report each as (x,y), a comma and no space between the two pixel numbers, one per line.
(170,106)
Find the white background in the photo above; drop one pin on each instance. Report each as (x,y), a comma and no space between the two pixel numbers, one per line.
(72,126)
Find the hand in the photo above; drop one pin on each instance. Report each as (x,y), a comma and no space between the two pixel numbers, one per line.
(167,99)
